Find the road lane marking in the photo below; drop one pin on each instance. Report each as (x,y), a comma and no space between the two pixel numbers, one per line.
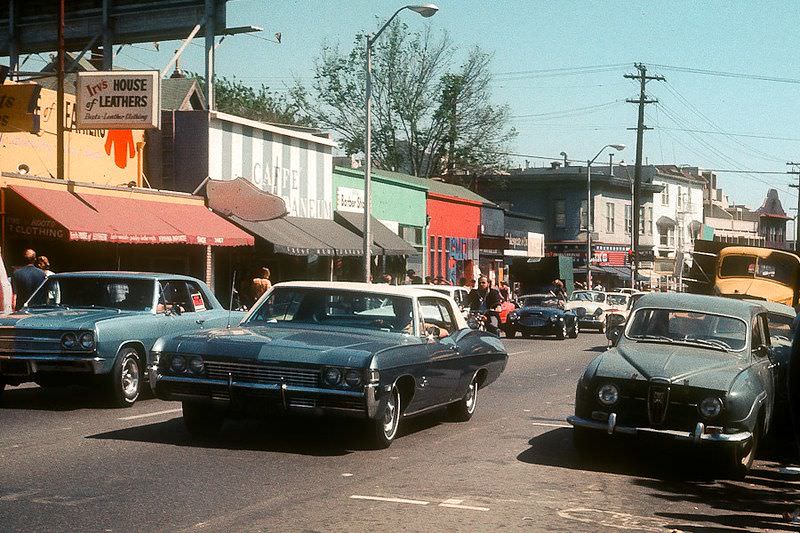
(454,503)
(146,415)
(391,500)
(517,353)
(547,425)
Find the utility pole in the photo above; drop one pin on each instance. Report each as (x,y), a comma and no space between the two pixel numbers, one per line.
(60,95)
(796,186)
(637,173)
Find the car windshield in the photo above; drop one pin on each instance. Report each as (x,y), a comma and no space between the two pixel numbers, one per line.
(587,297)
(617,299)
(775,267)
(352,309)
(691,327)
(780,327)
(541,300)
(113,293)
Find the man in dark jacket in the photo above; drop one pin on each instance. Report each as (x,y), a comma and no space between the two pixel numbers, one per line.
(486,300)
(25,280)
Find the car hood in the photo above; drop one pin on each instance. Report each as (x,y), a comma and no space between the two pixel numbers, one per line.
(60,318)
(287,344)
(681,364)
(590,307)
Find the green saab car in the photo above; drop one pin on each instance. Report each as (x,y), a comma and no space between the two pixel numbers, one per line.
(95,328)
(686,368)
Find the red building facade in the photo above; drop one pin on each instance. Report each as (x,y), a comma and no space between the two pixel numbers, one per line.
(453,236)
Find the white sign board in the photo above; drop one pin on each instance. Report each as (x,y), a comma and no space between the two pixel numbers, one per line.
(119,100)
(349,199)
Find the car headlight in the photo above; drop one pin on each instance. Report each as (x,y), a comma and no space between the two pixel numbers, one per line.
(710,407)
(178,363)
(608,394)
(353,378)
(69,341)
(196,365)
(332,376)
(86,340)
(513,315)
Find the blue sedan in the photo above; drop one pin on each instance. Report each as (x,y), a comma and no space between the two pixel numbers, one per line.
(95,328)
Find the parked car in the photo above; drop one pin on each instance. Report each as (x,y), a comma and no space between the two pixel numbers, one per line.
(458,294)
(781,334)
(95,328)
(686,367)
(541,314)
(590,307)
(378,353)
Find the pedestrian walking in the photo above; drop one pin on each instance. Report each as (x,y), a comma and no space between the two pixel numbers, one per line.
(260,284)
(43,264)
(25,280)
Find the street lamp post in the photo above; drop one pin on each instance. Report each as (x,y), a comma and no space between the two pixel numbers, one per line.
(426,10)
(589,210)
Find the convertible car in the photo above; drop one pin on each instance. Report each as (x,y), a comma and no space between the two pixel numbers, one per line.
(96,328)
(374,352)
(686,367)
(541,314)
(590,306)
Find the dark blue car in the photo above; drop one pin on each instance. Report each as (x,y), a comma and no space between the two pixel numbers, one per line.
(541,314)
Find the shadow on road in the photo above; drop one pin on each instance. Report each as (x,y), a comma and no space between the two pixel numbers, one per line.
(301,435)
(67,398)
(679,476)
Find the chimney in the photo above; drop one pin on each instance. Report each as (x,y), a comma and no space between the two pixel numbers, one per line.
(555,164)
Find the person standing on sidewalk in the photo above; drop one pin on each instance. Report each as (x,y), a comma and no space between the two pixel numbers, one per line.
(25,280)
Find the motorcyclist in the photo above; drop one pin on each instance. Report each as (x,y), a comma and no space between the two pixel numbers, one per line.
(486,301)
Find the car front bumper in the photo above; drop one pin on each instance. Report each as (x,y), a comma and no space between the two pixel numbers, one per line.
(550,328)
(273,397)
(21,368)
(697,436)
(592,321)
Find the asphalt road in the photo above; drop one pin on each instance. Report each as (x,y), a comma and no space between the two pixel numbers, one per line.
(68,463)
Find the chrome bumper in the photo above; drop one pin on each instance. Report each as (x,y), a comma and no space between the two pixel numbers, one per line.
(283,393)
(57,363)
(695,437)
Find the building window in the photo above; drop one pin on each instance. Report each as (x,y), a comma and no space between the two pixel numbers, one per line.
(680,197)
(628,220)
(582,215)
(561,214)
(665,195)
(666,236)
(609,217)
(649,221)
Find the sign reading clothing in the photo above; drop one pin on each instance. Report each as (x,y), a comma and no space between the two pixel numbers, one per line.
(119,100)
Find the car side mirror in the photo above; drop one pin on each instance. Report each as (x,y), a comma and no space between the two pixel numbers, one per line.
(614,334)
(761,351)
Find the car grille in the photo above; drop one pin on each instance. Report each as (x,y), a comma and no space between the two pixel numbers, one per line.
(255,373)
(14,340)
(658,401)
(533,322)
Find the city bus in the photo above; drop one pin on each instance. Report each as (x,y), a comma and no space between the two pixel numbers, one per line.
(763,273)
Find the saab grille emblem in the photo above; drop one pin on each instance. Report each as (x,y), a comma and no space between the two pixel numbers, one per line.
(658,403)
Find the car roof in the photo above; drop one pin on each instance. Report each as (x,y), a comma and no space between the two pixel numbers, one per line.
(617,294)
(161,276)
(451,288)
(374,288)
(701,303)
(774,307)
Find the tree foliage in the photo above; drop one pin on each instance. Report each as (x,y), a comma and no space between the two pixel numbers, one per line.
(429,114)
(261,104)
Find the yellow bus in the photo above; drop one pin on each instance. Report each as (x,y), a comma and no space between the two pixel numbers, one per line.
(772,275)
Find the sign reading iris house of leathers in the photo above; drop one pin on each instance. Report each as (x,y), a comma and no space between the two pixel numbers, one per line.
(119,100)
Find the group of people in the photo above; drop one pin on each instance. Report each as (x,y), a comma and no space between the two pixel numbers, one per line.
(26,279)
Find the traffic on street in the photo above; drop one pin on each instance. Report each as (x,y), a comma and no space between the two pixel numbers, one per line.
(71,462)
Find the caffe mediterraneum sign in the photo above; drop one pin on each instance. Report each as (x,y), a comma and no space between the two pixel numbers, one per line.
(119,100)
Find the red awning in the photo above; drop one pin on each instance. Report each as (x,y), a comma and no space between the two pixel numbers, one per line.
(104,218)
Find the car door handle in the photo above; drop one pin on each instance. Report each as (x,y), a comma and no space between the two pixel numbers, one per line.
(200,320)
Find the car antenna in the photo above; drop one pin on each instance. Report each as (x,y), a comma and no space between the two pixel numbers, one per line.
(230,305)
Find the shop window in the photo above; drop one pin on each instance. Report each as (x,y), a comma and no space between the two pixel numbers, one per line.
(560,213)
(610,223)
(628,220)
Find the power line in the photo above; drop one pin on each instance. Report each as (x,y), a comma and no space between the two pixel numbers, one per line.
(558,114)
(723,74)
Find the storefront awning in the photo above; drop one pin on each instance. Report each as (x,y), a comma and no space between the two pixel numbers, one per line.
(119,219)
(304,236)
(621,272)
(389,242)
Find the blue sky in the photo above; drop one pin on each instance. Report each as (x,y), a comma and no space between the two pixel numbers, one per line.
(580,109)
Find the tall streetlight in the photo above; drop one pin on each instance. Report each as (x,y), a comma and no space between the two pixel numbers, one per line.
(589,210)
(426,10)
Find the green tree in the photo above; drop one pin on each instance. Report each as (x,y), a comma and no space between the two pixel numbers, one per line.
(261,104)
(430,114)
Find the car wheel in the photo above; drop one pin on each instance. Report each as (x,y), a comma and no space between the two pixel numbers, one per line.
(384,428)
(742,455)
(511,333)
(126,378)
(202,420)
(561,334)
(463,410)
(573,334)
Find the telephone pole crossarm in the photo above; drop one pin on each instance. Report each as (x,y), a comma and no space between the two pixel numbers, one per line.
(796,186)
